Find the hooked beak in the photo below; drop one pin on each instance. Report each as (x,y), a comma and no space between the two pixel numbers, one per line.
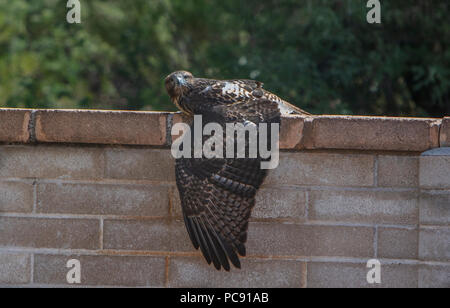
(180,81)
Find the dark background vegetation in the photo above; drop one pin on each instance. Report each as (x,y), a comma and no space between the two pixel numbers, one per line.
(320,55)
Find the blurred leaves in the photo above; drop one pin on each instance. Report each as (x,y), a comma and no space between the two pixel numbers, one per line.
(321,55)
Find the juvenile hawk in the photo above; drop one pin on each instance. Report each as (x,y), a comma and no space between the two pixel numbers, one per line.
(218,194)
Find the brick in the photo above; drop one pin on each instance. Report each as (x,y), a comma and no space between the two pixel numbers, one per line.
(280,203)
(140,164)
(291,129)
(353,275)
(323,169)
(16,197)
(395,243)
(398,171)
(434,244)
(375,133)
(179,118)
(434,276)
(365,206)
(51,162)
(277,239)
(127,271)
(175,202)
(103,199)
(435,207)
(193,272)
(14,125)
(49,233)
(14,268)
(435,172)
(291,132)
(101,127)
(149,235)
(445,133)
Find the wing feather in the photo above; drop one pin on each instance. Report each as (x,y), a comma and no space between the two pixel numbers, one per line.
(218,254)
(209,93)
(217,195)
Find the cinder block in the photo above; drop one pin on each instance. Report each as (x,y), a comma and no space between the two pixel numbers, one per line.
(179,117)
(101,127)
(103,199)
(434,244)
(278,239)
(395,243)
(16,197)
(327,169)
(64,162)
(291,129)
(49,233)
(140,164)
(291,132)
(175,202)
(398,171)
(280,203)
(434,276)
(435,172)
(14,268)
(14,125)
(445,132)
(354,275)
(125,271)
(435,207)
(149,235)
(365,206)
(193,272)
(375,133)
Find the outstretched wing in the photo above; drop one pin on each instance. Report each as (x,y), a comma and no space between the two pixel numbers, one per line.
(217,195)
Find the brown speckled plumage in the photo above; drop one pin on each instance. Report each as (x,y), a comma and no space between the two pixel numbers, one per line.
(218,194)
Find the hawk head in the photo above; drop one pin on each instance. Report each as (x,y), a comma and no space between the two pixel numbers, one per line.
(177,84)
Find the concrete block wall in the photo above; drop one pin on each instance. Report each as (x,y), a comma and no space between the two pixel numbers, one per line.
(99,187)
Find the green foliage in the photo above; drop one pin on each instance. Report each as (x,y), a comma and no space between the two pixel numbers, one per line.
(321,55)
